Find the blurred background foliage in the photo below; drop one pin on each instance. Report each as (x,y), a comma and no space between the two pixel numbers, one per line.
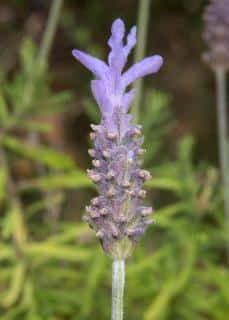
(51,266)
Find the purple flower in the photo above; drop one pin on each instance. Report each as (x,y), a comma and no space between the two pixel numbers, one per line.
(216,33)
(117,214)
(109,88)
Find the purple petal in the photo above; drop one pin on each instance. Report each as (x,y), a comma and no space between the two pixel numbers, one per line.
(131,41)
(117,58)
(117,33)
(146,66)
(95,65)
(127,99)
(100,94)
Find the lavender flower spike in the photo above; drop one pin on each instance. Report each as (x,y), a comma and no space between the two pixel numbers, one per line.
(216,34)
(117,214)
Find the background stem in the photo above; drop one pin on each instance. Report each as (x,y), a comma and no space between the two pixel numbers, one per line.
(143,20)
(118,283)
(42,60)
(223,142)
(49,33)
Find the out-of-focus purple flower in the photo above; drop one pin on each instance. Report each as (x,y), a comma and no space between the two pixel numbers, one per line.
(216,33)
(117,214)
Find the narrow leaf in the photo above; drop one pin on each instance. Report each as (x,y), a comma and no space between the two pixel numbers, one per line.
(74,179)
(41,154)
(4,116)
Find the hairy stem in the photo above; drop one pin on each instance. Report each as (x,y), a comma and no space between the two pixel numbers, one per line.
(143,20)
(49,33)
(118,283)
(223,142)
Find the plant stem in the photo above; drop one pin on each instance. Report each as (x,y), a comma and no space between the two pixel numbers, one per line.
(220,73)
(118,283)
(42,59)
(46,43)
(143,20)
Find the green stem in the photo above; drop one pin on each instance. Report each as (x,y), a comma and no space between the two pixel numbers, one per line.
(223,142)
(49,33)
(143,20)
(42,58)
(118,283)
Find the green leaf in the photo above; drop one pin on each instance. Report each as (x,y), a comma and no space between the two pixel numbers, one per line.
(55,199)
(172,287)
(48,250)
(95,276)
(4,116)
(74,179)
(3,181)
(71,232)
(41,154)
(16,285)
(185,149)
(28,55)
(157,121)
(53,104)
(164,215)
(13,225)
(6,252)
(163,183)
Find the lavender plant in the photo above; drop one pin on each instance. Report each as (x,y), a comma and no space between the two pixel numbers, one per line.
(216,35)
(117,215)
